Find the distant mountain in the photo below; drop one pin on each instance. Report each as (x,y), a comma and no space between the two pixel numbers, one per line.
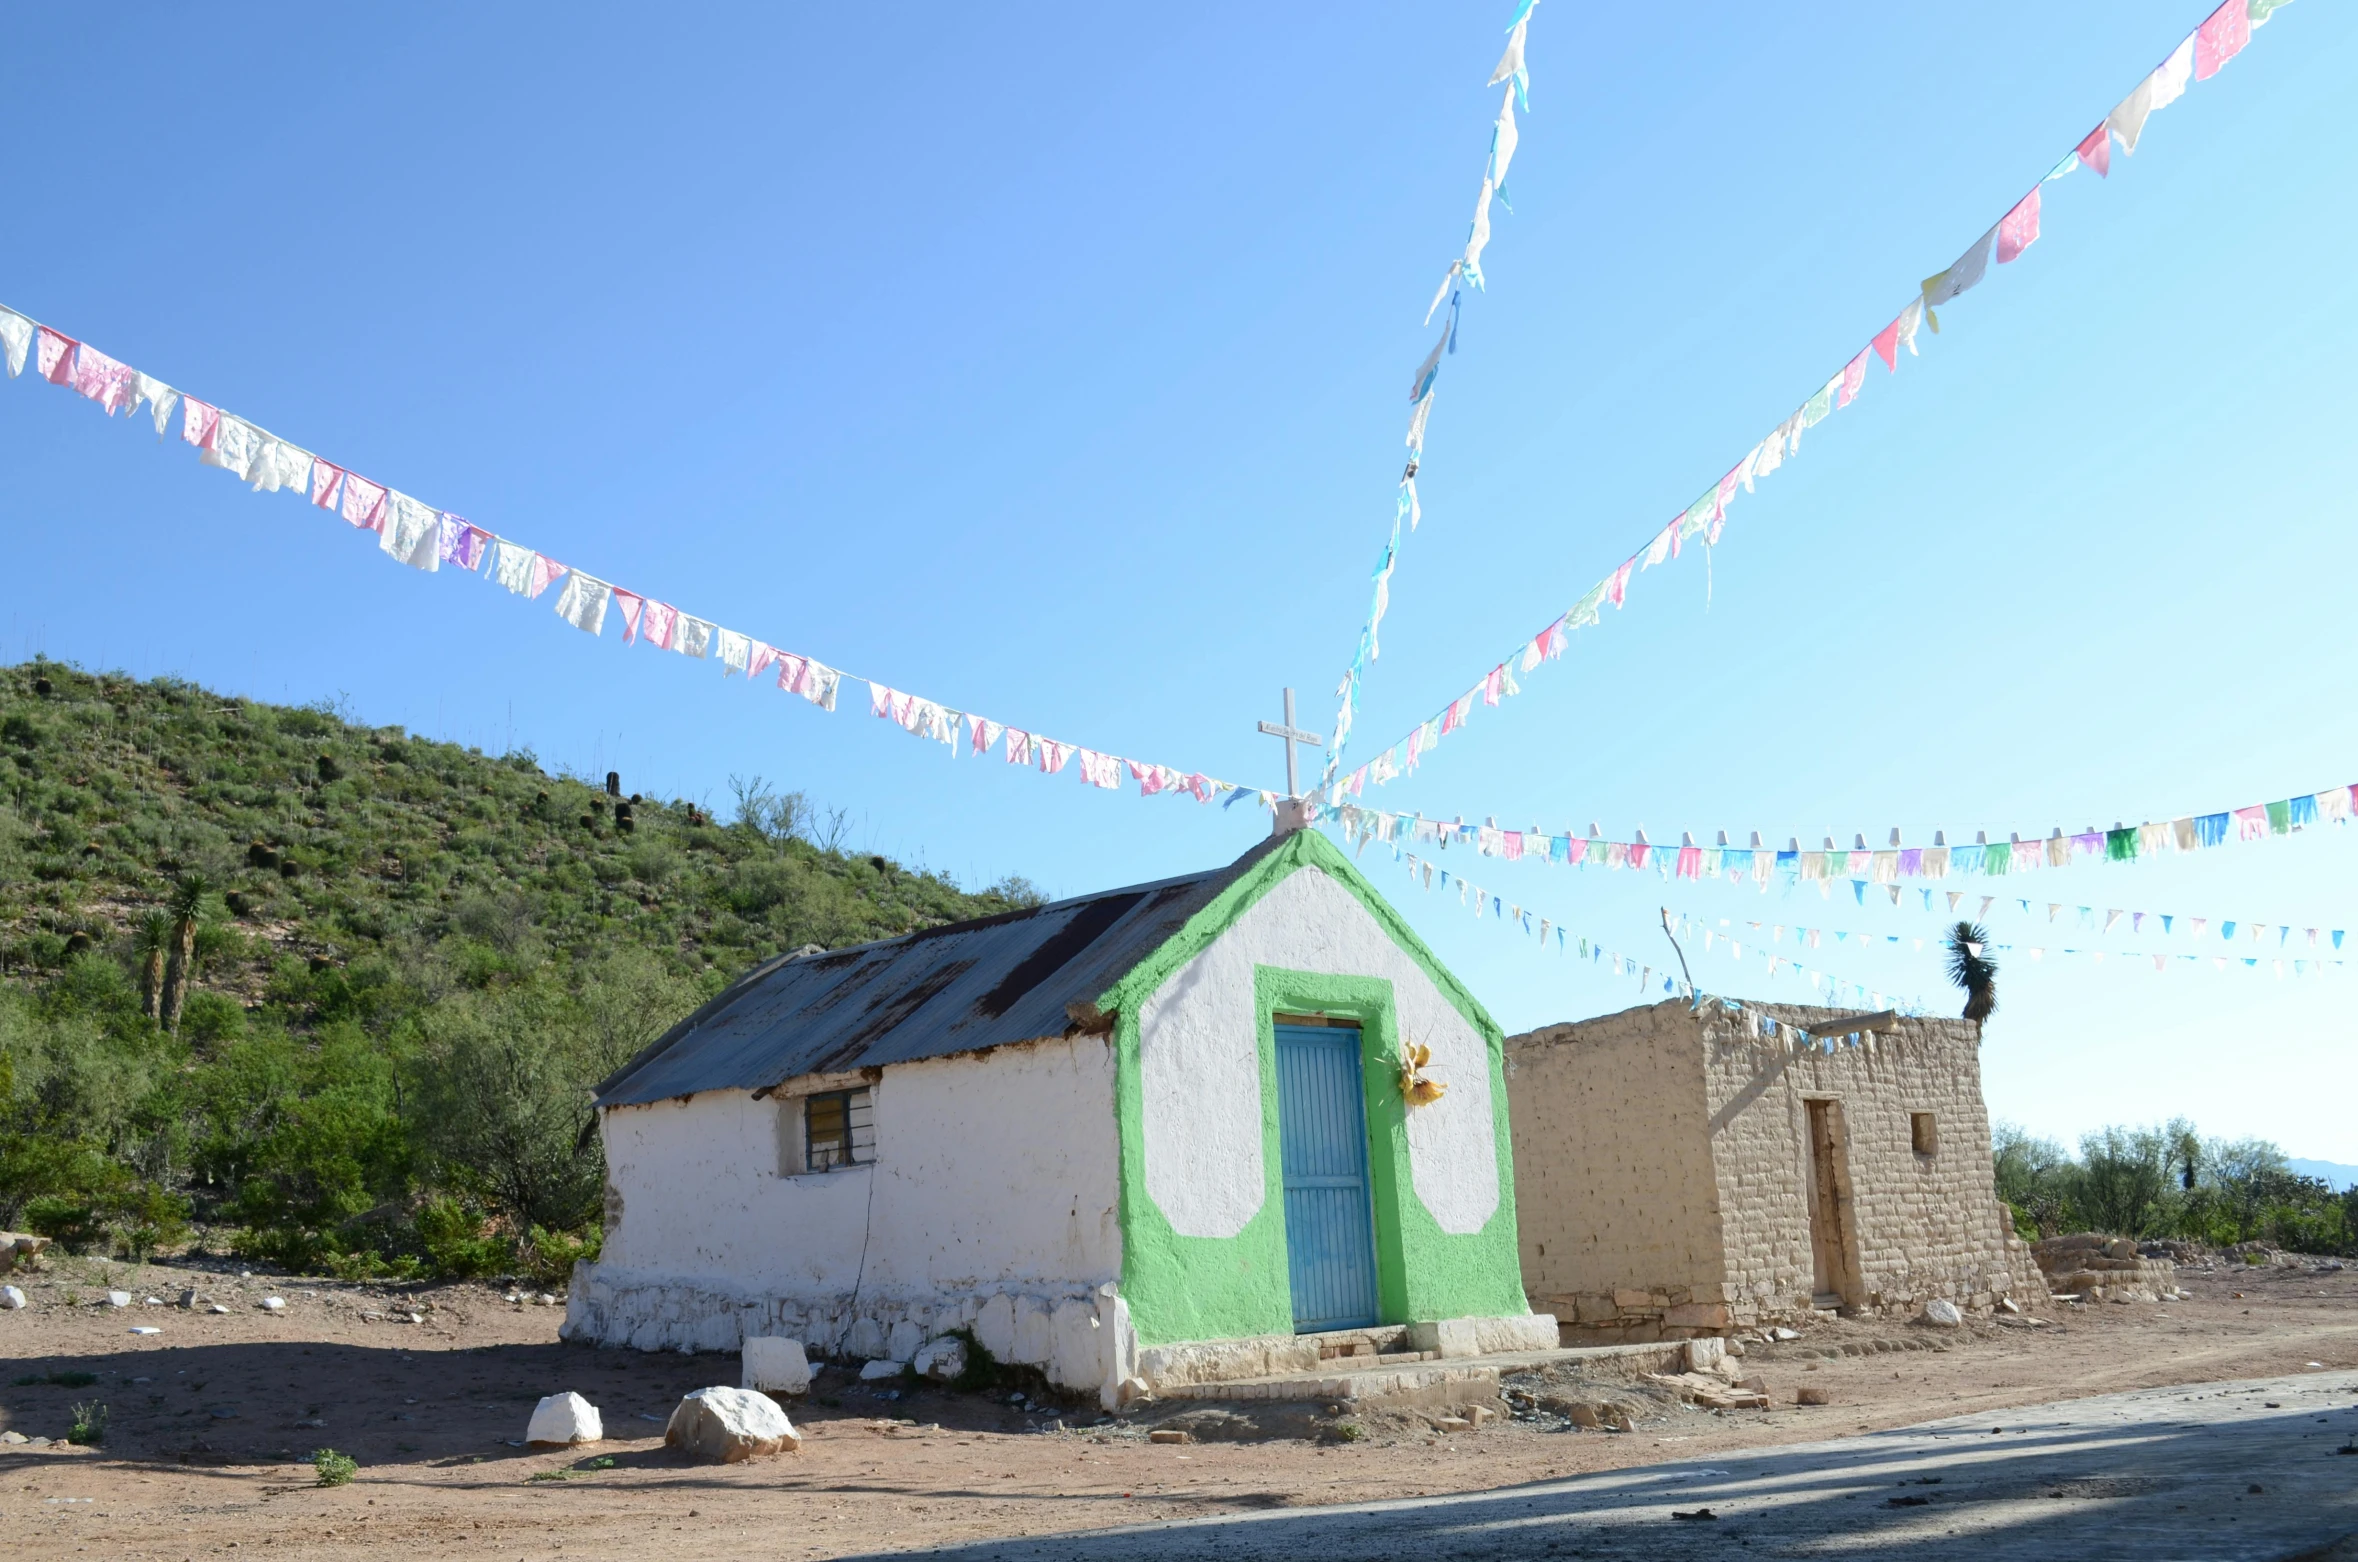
(2342,1177)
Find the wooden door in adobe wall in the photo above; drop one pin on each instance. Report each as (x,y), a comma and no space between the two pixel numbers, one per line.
(1829,1211)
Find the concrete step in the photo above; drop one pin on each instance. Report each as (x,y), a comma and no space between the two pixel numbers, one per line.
(1430,1382)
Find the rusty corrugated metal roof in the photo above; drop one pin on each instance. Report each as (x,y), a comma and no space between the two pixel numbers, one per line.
(956,988)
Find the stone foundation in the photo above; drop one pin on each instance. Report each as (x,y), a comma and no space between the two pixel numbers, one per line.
(1080,1340)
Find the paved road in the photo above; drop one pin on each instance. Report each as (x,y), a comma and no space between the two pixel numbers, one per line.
(2211,1472)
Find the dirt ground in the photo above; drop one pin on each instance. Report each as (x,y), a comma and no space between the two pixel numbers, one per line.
(211,1422)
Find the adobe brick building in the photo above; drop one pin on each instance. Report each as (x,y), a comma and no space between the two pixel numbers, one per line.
(1682,1174)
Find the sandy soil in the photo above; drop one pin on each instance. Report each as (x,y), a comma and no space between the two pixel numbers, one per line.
(212,1420)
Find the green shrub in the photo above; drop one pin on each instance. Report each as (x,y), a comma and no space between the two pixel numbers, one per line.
(459,1242)
(72,1224)
(89,1424)
(334,1469)
(209,1018)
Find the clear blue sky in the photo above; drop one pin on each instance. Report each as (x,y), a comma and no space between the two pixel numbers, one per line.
(1052,363)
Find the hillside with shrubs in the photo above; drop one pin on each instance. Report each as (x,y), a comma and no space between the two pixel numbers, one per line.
(331,996)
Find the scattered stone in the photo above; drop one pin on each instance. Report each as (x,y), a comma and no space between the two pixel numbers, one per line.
(1481,1415)
(547,1300)
(943,1358)
(1452,1424)
(2006,1305)
(565,1418)
(513,1296)
(876,1370)
(12,1297)
(1812,1396)
(726,1425)
(151,1301)
(19,1247)
(147,1329)
(218,1309)
(118,1298)
(274,1304)
(14,1437)
(1942,1313)
(775,1363)
(1699,1513)
(1785,1334)
(1168,1434)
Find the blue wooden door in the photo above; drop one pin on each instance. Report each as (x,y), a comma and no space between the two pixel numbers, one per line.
(1322,1139)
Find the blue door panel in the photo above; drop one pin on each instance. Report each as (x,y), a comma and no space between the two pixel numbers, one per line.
(1322,1139)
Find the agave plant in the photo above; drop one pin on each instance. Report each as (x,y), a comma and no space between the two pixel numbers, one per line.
(1971,968)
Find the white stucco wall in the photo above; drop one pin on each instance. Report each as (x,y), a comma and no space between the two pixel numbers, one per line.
(991,1206)
(1199,1062)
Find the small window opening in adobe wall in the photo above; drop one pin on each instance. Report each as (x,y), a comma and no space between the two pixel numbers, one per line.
(1924,1133)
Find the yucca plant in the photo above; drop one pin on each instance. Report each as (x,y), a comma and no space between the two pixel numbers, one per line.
(1971,968)
(185,907)
(153,940)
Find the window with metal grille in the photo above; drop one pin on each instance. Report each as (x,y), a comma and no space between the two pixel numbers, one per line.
(838,1129)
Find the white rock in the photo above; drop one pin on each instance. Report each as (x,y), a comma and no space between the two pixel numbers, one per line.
(218,1308)
(886,1368)
(547,1300)
(775,1363)
(118,1298)
(1785,1334)
(1706,1354)
(942,1358)
(1943,1313)
(154,1301)
(11,1297)
(274,1304)
(565,1418)
(148,1329)
(725,1425)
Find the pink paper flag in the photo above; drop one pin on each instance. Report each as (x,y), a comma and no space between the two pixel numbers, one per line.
(986,733)
(199,422)
(1690,862)
(879,699)
(2096,151)
(661,619)
(102,379)
(1886,345)
(364,503)
(1358,782)
(758,659)
(1052,754)
(1493,685)
(327,483)
(1638,852)
(1148,777)
(631,604)
(1019,747)
(546,572)
(1854,375)
(56,357)
(2221,38)
(2251,824)
(1101,770)
(2018,230)
(1201,785)
(1617,587)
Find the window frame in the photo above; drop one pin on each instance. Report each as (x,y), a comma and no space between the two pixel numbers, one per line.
(855,1101)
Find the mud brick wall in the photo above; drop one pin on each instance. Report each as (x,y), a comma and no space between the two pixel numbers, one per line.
(1921,1225)
(1662,1162)
(1614,1189)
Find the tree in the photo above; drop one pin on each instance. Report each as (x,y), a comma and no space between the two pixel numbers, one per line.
(1971,968)
(185,907)
(152,939)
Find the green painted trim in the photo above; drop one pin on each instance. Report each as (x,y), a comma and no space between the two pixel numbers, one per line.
(1195,1288)
(1303,848)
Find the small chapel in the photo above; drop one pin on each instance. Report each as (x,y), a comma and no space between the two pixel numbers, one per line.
(1217,1125)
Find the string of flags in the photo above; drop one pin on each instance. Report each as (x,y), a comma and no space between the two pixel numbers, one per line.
(1555,938)
(1465,271)
(1813,938)
(2201,55)
(1859,864)
(417,534)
